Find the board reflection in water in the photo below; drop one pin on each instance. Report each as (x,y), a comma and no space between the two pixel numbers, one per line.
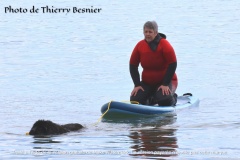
(151,136)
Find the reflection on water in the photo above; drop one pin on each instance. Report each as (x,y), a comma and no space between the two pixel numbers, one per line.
(153,142)
(148,137)
(44,139)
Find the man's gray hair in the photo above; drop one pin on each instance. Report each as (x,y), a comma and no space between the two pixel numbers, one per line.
(151,25)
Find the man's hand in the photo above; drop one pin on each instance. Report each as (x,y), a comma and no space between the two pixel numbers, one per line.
(135,90)
(165,90)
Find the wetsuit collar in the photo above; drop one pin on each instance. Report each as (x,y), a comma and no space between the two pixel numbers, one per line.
(154,43)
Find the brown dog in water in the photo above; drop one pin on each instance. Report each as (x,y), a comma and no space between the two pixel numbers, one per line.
(46,127)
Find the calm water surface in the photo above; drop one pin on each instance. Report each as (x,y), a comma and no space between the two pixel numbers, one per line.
(64,67)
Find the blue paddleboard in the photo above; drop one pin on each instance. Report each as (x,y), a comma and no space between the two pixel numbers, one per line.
(115,108)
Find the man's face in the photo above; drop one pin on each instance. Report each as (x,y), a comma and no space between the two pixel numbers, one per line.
(149,34)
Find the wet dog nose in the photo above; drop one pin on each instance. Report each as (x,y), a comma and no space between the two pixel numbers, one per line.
(32,131)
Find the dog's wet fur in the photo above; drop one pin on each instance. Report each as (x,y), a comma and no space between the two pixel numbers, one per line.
(46,127)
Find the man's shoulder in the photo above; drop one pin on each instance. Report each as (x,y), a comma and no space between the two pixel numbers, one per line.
(164,42)
(141,42)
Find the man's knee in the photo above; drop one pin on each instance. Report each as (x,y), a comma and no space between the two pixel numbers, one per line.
(140,97)
(138,100)
(165,101)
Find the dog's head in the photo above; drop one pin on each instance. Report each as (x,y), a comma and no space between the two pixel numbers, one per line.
(45,127)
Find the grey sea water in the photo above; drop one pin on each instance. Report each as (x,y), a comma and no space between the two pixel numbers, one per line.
(64,67)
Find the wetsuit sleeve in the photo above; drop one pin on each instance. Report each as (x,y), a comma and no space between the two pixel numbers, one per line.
(135,57)
(171,60)
(169,74)
(135,75)
(133,66)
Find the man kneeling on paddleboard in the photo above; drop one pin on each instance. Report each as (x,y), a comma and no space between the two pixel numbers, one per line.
(159,63)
